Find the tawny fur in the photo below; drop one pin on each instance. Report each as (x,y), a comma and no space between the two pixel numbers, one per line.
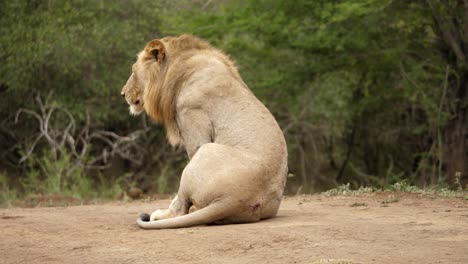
(238,165)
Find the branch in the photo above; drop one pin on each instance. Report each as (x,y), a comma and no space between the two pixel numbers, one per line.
(31,149)
(465,24)
(65,141)
(446,28)
(34,114)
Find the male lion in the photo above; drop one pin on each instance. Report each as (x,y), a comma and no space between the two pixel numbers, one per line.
(238,156)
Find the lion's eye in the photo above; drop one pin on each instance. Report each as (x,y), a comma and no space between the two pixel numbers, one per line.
(137,101)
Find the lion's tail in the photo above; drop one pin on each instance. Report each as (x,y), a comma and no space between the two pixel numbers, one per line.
(210,214)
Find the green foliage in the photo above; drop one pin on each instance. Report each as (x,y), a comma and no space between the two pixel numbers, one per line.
(362,75)
(58,173)
(402,186)
(78,54)
(345,189)
(7,193)
(80,50)
(48,174)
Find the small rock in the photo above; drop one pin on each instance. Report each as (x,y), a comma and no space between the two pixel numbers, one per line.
(134,193)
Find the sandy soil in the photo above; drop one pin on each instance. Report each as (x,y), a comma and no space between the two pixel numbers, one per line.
(378,228)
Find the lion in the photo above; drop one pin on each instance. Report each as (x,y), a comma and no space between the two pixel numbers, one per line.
(237,151)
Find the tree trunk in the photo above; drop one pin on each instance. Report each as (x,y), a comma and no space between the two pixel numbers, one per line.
(456,134)
(452,29)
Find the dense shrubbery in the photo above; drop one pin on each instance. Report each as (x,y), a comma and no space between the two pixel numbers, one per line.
(78,55)
(367,92)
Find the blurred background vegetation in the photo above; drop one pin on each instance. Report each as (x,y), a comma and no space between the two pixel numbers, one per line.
(367,92)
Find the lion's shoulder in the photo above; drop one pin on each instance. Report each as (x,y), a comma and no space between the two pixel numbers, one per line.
(173,72)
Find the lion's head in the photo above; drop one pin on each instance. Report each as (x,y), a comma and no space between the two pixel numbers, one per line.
(143,74)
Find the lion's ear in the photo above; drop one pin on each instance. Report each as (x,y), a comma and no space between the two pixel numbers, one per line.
(156,48)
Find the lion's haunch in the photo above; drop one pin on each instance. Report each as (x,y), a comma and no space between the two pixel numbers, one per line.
(145,217)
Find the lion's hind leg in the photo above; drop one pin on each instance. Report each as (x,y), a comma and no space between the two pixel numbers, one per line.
(178,207)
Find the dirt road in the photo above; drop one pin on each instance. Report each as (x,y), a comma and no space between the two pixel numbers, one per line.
(378,228)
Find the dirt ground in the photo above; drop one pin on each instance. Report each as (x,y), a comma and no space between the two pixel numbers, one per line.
(373,228)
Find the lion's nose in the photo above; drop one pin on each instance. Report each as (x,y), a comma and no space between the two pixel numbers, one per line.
(122,94)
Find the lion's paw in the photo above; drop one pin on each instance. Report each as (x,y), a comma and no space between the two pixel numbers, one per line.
(158,215)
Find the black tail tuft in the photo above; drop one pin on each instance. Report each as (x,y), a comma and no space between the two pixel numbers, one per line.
(145,217)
